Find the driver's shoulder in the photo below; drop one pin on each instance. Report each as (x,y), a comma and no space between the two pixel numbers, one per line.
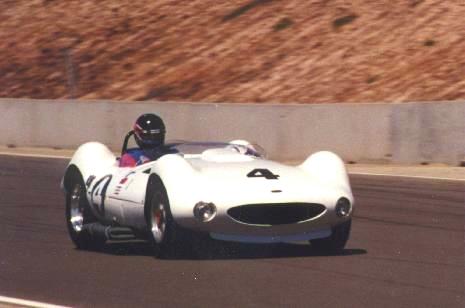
(134,151)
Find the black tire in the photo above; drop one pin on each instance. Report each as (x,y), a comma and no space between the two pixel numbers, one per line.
(336,242)
(77,207)
(201,246)
(176,241)
(161,227)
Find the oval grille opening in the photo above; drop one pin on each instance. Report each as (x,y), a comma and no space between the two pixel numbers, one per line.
(275,213)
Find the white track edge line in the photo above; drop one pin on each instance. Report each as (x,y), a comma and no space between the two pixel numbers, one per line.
(35,155)
(27,303)
(408,176)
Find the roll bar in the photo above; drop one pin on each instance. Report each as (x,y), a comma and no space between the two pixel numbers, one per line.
(125,143)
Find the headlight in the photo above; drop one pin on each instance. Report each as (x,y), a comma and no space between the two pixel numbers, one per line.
(343,207)
(204,211)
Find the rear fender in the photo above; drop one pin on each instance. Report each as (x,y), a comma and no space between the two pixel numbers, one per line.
(92,158)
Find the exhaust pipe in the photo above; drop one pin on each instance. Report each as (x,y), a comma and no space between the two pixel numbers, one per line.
(99,231)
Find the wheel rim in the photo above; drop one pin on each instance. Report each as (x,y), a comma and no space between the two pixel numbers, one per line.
(158,219)
(76,210)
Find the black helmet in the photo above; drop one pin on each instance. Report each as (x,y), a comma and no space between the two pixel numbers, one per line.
(149,131)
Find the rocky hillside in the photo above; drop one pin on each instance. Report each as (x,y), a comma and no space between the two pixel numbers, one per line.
(294,51)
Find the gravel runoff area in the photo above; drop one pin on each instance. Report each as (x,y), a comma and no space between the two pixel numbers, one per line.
(440,171)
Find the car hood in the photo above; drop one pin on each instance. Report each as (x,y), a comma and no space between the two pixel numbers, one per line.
(230,181)
(258,179)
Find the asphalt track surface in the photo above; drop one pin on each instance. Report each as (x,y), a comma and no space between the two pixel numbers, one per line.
(406,250)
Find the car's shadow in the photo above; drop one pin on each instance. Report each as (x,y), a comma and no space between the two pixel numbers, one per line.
(226,251)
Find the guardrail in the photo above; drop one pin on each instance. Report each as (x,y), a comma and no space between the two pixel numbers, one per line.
(375,132)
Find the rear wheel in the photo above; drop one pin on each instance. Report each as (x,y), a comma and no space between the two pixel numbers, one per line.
(78,214)
(336,242)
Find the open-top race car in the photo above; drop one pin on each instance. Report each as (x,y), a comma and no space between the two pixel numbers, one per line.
(224,191)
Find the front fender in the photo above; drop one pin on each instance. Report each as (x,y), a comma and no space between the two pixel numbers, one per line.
(328,169)
(182,182)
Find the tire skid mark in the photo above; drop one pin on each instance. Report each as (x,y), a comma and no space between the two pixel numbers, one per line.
(392,222)
(425,263)
(42,227)
(432,199)
(365,277)
(420,207)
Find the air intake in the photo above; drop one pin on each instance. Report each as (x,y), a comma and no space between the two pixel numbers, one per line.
(275,213)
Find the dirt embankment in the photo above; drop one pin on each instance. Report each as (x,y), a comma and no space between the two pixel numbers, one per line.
(233,51)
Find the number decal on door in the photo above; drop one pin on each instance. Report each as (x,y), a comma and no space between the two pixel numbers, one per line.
(262,173)
(99,192)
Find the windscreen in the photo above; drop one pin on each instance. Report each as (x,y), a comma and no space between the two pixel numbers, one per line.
(193,148)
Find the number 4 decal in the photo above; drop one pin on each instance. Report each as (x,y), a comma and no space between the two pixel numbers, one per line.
(99,192)
(262,173)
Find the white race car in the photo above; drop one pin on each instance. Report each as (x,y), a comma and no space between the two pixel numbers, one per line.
(228,191)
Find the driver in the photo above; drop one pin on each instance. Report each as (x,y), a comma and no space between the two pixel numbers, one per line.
(149,133)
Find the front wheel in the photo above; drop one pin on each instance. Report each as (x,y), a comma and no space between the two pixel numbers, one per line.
(336,242)
(161,226)
(78,215)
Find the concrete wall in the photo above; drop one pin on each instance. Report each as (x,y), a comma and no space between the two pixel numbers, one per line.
(401,133)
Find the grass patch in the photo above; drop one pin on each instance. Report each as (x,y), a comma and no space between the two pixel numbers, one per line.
(342,21)
(158,92)
(371,79)
(244,9)
(283,24)
(414,3)
(429,43)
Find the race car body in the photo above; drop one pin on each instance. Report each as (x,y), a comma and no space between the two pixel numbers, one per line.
(226,190)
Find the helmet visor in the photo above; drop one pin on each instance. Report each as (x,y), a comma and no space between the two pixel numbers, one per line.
(152,137)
